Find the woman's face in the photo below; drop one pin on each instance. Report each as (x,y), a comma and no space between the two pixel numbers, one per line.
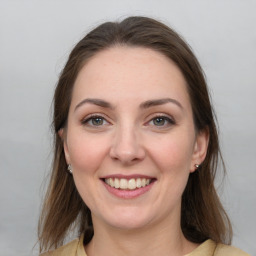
(131,139)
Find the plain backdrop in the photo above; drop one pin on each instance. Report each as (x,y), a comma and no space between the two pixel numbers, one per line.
(35,40)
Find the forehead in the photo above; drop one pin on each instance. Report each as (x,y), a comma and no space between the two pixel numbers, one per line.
(134,72)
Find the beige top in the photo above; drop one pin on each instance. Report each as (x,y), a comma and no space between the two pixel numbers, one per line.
(208,248)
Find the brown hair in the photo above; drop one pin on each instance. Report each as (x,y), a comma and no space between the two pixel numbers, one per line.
(202,215)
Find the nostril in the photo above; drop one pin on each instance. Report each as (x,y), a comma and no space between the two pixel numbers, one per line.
(126,147)
(125,156)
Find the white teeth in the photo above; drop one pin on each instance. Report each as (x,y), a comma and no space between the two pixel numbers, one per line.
(130,184)
(123,184)
(138,183)
(111,182)
(117,183)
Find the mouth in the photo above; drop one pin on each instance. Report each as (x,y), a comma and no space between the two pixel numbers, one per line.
(128,184)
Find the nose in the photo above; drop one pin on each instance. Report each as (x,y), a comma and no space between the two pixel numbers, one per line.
(126,146)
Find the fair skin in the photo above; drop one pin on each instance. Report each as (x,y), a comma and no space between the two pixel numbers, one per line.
(130,120)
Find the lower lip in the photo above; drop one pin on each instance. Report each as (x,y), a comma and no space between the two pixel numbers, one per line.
(128,194)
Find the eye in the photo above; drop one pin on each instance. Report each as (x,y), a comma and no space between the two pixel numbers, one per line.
(95,121)
(161,121)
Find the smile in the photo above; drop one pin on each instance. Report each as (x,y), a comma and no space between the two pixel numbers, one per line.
(127,184)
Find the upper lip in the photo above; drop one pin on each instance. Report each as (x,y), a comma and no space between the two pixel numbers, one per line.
(128,177)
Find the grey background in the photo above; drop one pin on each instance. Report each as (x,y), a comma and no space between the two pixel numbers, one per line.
(35,39)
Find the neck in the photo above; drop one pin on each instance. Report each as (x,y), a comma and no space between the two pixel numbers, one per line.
(161,239)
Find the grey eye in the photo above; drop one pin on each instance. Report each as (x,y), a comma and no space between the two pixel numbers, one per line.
(159,121)
(97,121)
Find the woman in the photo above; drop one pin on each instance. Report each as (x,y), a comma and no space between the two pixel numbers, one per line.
(135,129)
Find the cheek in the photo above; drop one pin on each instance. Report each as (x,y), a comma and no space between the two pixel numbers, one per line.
(172,153)
(86,152)
(173,160)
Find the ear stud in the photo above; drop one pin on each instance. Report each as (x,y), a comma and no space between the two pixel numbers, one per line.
(69,169)
(197,166)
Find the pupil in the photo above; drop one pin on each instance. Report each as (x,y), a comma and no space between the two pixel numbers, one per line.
(97,121)
(159,121)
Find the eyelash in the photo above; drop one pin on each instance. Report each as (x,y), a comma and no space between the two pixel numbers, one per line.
(167,121)
(92,117)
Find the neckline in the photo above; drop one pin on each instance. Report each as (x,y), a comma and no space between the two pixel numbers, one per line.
(206,248)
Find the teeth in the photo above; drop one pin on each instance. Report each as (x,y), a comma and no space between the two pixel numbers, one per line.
(111,182)
(117,183)
(123,184)
(138,183)
(130,184)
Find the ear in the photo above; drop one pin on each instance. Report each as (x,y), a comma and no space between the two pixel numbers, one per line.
(200,149)
(62,135)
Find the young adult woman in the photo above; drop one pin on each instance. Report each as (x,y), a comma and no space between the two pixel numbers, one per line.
(136,149)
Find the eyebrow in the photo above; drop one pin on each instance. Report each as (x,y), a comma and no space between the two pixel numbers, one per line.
(98,102)
(144,105)
(157,102)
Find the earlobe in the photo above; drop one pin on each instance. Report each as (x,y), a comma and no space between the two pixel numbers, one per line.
(200,149)
(61,133)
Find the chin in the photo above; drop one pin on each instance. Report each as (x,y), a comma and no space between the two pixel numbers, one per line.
(129,224)
(128,220)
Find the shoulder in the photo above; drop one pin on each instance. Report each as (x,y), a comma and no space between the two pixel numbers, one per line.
(69,249)
(227,250)
(210,248)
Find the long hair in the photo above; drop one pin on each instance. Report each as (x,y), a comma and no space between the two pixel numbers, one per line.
(202,214)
